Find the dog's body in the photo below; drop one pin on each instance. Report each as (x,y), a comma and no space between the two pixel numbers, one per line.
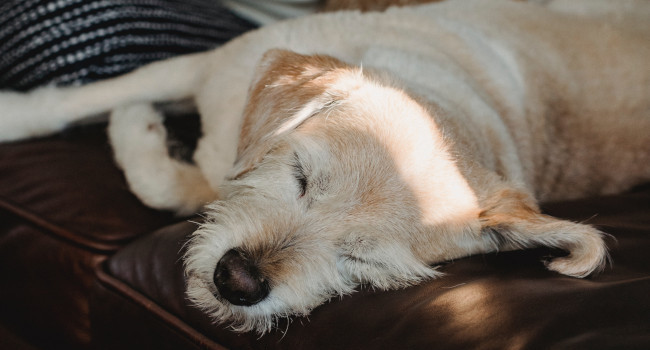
(464,115)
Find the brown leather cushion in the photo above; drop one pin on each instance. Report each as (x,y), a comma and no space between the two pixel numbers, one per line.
(504,300)
(64,207)
(70,185)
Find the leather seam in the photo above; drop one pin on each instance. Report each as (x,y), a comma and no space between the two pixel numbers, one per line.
(57,231)
(115,285)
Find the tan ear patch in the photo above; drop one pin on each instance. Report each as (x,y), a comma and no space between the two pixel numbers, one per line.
(288,89)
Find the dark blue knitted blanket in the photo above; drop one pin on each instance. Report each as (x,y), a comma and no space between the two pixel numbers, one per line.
(77,41)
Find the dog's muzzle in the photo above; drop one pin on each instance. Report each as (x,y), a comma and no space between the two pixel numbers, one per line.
(239,281)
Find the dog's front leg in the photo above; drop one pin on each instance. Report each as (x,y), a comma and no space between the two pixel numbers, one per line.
(139,139)
(512,218)
(50,109)
(232,69)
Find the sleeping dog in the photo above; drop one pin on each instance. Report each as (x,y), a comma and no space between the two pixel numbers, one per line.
(349,148)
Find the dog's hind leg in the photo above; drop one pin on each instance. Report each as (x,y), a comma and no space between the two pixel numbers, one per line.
(139,138)
(49,109)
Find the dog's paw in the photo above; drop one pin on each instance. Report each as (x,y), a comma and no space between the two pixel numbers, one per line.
(519,225)
(587,254)
(139,137)
(137,131)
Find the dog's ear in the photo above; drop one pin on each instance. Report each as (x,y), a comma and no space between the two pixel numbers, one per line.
(287,89)
(514,220)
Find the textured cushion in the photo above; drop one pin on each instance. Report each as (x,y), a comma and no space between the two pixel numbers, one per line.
(496,301)
(78,41)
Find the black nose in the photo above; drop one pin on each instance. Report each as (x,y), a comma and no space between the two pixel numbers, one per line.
(239,281)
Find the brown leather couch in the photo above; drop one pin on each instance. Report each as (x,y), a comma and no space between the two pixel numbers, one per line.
(84,264)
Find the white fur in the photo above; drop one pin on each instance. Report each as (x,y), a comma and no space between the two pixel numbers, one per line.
(465,114)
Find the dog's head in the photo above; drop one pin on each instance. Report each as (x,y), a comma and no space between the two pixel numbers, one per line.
(341,179)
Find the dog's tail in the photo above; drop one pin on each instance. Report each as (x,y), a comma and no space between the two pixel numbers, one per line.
(48,110)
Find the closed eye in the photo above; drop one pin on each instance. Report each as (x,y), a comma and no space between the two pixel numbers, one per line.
(299,174)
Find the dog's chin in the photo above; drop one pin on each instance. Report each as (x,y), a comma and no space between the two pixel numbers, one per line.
(261,317)
(281,302)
